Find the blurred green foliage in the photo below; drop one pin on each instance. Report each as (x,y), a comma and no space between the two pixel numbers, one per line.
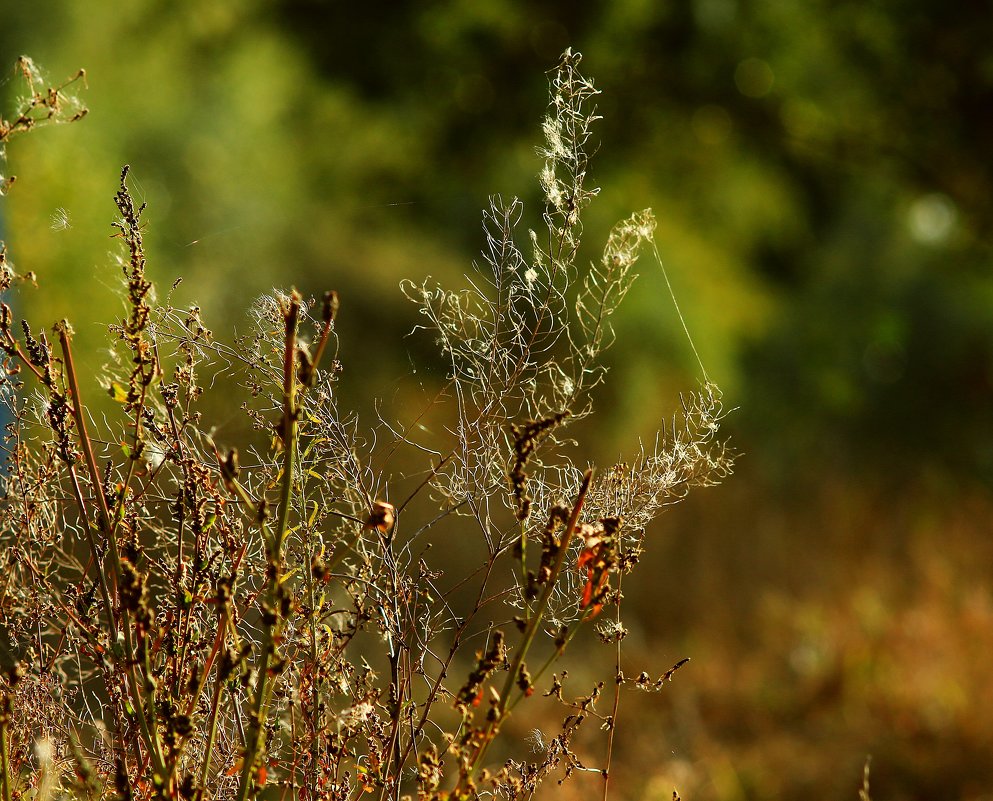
(821,172)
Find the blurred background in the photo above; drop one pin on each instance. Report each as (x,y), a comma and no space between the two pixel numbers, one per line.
(824,185)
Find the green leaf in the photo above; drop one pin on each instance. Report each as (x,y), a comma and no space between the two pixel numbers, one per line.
(118,391)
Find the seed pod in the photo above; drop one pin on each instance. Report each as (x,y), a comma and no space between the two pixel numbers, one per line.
(305,366)
(330,307)
(381,517)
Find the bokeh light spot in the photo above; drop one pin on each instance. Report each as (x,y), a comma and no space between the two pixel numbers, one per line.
(754,77)
(932,218)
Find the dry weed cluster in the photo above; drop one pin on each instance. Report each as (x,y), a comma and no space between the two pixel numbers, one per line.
(181,618)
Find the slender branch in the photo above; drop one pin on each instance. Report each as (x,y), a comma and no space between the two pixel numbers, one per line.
(618,681)
(104,523)
(272,611)
(5,777)
(139,688)
(532,628)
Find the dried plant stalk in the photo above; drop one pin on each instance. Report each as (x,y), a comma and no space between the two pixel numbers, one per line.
(216,620)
